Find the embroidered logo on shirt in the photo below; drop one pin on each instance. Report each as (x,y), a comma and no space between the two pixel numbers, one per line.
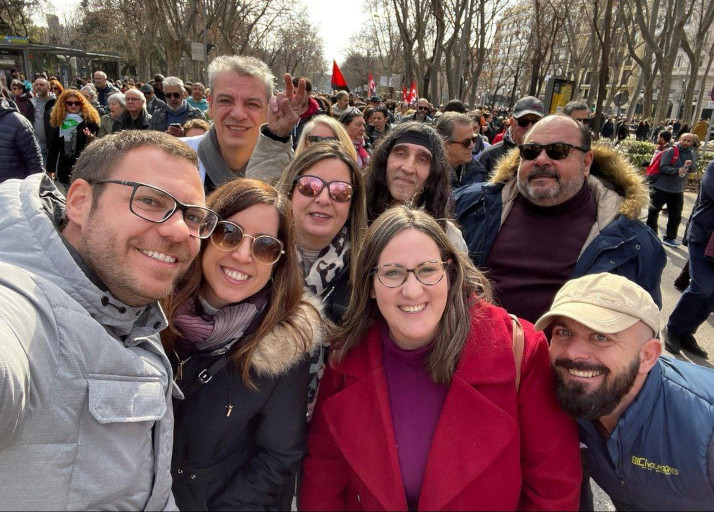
(643,463)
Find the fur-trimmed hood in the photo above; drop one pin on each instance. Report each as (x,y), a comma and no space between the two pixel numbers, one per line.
(279,350)
(611,168)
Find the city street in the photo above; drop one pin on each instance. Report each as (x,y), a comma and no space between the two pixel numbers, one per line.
(676,257)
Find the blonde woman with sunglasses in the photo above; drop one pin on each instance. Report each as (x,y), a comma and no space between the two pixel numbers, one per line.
(240,336)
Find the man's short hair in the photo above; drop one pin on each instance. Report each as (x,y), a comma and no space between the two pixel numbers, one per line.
(666,136)
(101,73)
(100,159)
(446,122)
(173,81)
(242,66)
(308,83)
(194,84)
(137,92)
(455,106)
(572,106)
(341,94)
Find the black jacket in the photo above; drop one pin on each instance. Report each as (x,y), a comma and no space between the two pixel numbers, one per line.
(19,151)
(57,161)
(490,156)
(245,460)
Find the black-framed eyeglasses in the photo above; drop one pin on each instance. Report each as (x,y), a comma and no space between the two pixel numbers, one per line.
(311,186)
(555,151)
(173,95)
(155,205)
(265,249)
(429,273)
(314,139)
(522,122)
(467,143)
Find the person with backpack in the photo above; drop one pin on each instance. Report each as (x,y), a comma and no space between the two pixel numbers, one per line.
(668,176)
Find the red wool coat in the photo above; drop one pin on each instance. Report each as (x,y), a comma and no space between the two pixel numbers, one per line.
(492,449)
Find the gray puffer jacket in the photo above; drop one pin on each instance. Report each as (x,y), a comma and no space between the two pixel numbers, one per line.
(85,386)
(20,153)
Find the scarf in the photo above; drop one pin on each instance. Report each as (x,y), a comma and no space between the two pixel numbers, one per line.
(203,332)
(216,168)
(68,131)
(329,263)
(362,155)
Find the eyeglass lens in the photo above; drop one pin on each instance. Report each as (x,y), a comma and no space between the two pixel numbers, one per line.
(428,273)
(70,103)
(172,94)
(156,205)
(556,151)
(264,248)
(311,186)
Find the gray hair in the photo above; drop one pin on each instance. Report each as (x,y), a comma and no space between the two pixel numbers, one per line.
(242,66)
(137,91)
(572,106)
(173,81)
(446,122)
(91,90)
(341,94)
(101,73)
(117,97)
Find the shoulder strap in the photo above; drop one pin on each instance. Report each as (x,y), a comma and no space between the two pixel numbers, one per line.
(517,347)
(675,155)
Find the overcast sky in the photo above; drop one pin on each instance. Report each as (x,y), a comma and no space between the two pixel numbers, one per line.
(335,33)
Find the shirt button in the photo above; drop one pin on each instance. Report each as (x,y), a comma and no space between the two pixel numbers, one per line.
(179,471)
(193,477)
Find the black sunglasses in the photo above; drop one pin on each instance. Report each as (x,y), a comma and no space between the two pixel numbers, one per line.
(422,108)
(555,151)
(311,186)
(316,138)
(70,103)
(465,143)
(265,249)
(526,122)
(173,94)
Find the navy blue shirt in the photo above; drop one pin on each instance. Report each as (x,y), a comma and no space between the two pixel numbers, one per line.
(660,456)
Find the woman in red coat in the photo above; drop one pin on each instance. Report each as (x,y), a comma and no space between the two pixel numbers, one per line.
(419,408)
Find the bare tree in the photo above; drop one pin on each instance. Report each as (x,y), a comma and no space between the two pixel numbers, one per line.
(693,46)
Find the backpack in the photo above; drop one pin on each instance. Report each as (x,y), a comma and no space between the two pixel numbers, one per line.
(653,167)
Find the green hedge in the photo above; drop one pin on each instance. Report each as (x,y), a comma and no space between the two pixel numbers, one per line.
(639,152)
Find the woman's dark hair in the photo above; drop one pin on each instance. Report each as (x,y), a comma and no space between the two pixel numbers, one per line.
(435,199)
(286,284)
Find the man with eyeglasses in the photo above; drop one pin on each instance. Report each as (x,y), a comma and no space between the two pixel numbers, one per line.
(85,386)
(526,113)
(457,131)
(104,88)
(171,117)
(558,209)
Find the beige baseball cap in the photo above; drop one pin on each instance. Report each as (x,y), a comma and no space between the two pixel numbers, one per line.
(606,303)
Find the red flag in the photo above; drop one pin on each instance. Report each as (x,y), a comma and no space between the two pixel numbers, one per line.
(372,86)
(405,94)
(338,81)
(413,93)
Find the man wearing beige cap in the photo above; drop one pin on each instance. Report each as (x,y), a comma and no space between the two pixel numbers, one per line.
(647,421)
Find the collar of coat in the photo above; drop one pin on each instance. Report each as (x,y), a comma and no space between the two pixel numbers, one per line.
(610,168)
(279,350)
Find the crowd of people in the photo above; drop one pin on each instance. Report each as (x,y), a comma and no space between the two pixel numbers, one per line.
(229,297)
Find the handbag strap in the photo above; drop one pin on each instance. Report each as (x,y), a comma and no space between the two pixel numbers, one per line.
(517,347)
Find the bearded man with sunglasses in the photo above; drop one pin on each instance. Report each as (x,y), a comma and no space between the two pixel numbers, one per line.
(526,113)
(176,112)
(555,209)
(85,385)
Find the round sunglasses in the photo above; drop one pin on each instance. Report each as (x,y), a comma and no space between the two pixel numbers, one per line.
(265,249)
(311,186)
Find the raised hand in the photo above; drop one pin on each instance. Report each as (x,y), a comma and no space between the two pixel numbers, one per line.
(285,108)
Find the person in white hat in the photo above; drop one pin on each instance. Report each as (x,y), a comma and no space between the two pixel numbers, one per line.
(647,421)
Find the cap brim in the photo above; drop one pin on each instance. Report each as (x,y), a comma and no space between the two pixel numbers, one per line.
(594,317)
(526,112)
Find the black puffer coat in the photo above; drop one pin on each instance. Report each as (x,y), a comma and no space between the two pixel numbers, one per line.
(57,161)
(19,150)
(245,460)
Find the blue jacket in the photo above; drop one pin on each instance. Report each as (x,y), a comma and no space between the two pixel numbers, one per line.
(19,150)
(701,226)
(661,454)
(618,243)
